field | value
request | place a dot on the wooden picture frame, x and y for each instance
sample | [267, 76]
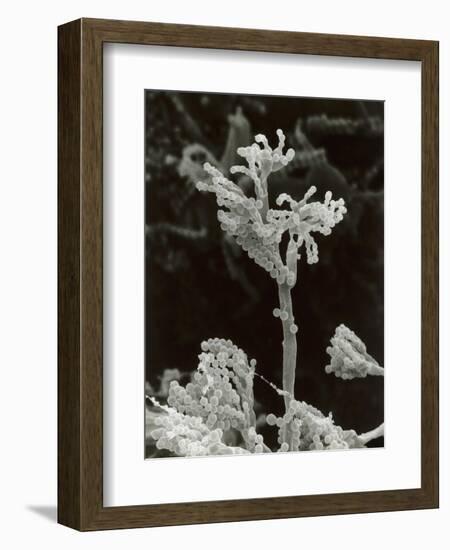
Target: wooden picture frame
[80, 272]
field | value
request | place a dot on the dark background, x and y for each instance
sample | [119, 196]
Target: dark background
[191, 292]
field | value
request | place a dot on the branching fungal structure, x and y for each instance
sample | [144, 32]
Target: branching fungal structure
[218, 401]
[349, 357]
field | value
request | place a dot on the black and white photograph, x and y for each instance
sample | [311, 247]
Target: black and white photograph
[264, 268]
[221, 226]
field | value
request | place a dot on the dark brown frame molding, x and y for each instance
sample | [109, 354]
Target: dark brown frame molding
[80, 265]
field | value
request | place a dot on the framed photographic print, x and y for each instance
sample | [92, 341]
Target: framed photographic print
[248, 274]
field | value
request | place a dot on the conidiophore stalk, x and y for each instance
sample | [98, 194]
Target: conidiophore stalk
[289, 343]
[289, 340]
[287, 319]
